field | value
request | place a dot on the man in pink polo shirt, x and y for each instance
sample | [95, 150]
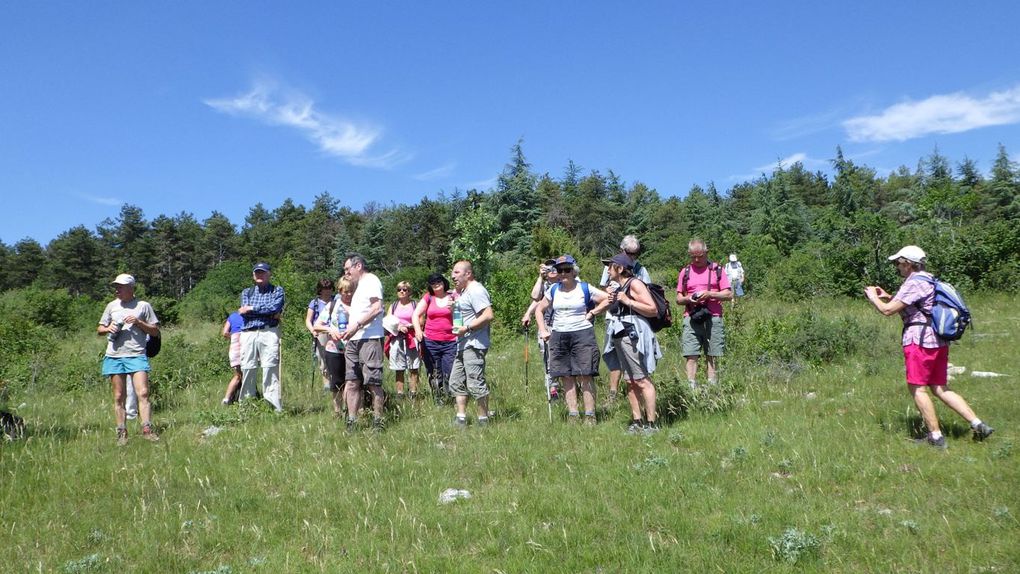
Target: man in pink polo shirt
[701, 288]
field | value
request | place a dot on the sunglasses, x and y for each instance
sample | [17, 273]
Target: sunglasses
[405, 289]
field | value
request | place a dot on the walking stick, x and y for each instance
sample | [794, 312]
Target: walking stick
[526, 337]
[548, 388]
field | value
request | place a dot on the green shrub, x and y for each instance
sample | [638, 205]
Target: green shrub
[218, 294]
[802, 335]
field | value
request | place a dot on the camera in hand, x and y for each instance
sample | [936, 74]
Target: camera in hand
[700, 314]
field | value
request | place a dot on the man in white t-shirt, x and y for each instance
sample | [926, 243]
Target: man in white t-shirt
[468, 375]
[364, 349]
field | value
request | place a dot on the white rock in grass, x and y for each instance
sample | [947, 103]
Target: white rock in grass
[451, 494]
[952, 369]
[211, 431]
[986, 374]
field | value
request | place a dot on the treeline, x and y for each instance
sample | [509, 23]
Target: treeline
[799, 233]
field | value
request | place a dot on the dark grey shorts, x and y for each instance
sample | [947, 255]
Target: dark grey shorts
[573, 354]
[364, 361]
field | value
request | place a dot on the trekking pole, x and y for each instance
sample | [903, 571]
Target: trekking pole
[526, 337]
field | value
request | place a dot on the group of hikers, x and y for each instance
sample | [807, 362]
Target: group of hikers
[448, 330]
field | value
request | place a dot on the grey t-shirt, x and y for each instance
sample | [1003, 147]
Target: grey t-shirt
[472, 302]
[130, 340]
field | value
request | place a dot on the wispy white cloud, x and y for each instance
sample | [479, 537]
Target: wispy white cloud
[336, 136]
[437, 173]
[938, 114]
[809, 163]
[114, 201]
[483, 184]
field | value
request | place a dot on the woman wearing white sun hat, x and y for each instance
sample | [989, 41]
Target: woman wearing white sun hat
[925, 354]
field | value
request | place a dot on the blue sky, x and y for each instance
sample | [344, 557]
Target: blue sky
[201, 106]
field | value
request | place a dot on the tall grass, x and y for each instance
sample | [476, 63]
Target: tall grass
[803, 464]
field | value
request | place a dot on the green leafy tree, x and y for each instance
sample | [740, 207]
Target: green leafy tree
[26, 264]
[475, 239]
[514, 203]
[74, 257]
[219, 241]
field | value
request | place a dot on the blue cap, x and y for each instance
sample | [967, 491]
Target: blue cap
[566, 259]
[262, 266]
[621, 259]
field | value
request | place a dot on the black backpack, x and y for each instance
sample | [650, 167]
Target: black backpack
[663, 318]
[153, 345]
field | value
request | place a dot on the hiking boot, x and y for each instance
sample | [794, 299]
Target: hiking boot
[635, 427]
[400, 396]
[612, 397]
[589, 420]
[693, 385]
[939, 443]
[982, 431]
[414, 396]
[573, 418]
[483, 421]
[650, 428]
[149, 433]
[460, 423]
[121, 436]
[378, 425]
[351, 425]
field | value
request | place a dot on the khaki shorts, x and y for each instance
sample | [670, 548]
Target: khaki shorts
[707, 337]
[629, 358]
[364, 361]
[468, 376]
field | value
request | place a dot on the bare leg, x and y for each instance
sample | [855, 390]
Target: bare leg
[338, 402]
[378, 400]
[648, 394]
[483, 406]
[955, 402]
[141, 383]
[118, 382]
[692, 368]
[588, 393]
[414, 381]
[926, 406]
[712, 373]
[461, 406]
[570, 391]
[233, 386]
[353, 391]
[614, 381]
[400, 383]
[633, 397]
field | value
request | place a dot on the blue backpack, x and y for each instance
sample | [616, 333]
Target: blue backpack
[949, 316]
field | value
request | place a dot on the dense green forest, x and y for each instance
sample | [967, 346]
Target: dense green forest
[798, 233]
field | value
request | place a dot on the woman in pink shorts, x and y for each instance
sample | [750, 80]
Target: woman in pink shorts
[926, 354]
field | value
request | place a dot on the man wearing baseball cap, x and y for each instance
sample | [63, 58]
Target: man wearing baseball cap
[127, 322]
[261, 307]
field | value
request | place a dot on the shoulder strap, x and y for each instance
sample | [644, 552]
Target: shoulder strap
[552, 291]
[332, 305]
[686, 277]
[587, 296]
[393, 307]
[718, 275]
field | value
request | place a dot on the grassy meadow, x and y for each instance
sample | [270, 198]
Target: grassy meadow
[797, 466]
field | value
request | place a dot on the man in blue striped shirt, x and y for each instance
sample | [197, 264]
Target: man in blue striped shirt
[261, 307]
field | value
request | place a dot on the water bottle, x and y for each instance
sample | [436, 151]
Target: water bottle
[341, 324]
[458, 318]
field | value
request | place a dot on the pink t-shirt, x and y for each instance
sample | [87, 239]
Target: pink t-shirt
[704, 280]
[916, 294]
[439, 318]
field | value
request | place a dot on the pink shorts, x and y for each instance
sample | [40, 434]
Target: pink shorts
[926, 367]
[234, 354]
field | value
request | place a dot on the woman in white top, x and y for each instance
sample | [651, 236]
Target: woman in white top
[573, 350]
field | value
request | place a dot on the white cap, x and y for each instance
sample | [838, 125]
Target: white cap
[123, 279]
[733, 257]
[910, 253]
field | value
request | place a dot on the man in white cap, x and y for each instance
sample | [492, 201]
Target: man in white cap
[126, 322]
[735, 271]
[925, 354]
[261, 308]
